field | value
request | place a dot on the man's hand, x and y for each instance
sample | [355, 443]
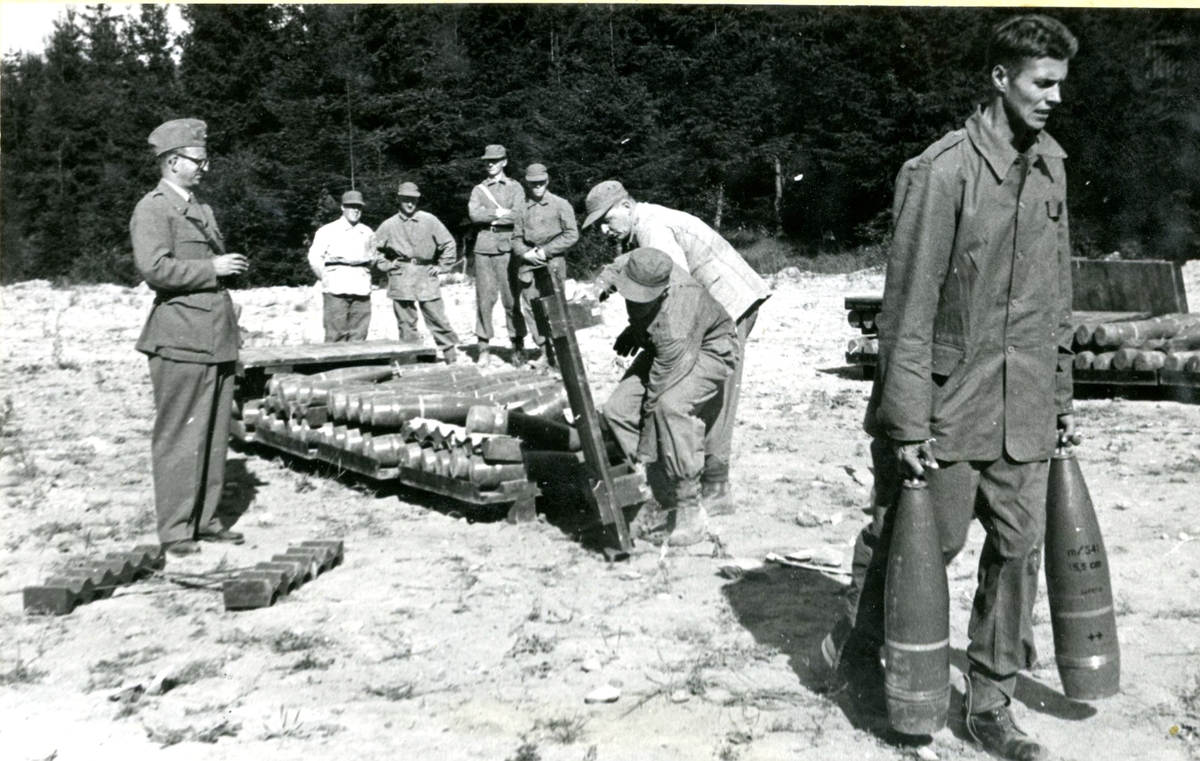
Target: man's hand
[502, 213]
[916, 457]
[628, 342]
[1067, 435]
[535, 256]
[230, 264]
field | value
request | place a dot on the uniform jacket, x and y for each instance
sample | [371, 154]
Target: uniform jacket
[974, 333]
[549, 223]
[413, 251]
[174, 242]
[495, 233]
[676, 333]
[701, 251]
[343, 253]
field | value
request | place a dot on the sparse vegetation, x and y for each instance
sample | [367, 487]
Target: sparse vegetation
[564, 730]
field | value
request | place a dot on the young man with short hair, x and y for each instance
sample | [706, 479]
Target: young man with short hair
[973, 391]
[494, 207]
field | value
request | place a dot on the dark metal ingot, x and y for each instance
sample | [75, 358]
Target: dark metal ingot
[292, 570]
[308, 567]
[249, 593]
[336, 549]
[49, 600]
[917, 618]
[279, 580]
[1079, 588]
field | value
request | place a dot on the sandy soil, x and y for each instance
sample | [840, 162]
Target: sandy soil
[441, 638]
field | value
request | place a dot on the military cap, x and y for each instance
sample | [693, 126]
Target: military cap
[352, 198]
[178, 133]
[536, 173]
[602, 198]
[494, 153]
[645, 276]
[409, 190]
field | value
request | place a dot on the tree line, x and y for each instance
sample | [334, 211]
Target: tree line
[765, 121]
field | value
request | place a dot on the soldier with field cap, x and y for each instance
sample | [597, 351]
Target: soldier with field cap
[340, 257]
[190, 337]
[686, 348]
[494, 207]
[544, 231]
[414, 247]
[700, 250]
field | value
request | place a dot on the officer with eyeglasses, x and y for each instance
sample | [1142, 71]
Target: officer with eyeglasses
[190, 338]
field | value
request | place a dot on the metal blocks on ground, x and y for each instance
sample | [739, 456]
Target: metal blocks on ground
[93, 581]
[261, 586]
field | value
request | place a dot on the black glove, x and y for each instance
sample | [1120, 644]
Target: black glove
[628, 342]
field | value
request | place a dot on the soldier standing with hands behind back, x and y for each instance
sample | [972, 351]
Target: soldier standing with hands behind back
[974, 388]
[190, 337]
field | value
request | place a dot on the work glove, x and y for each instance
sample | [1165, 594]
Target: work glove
[629, 342]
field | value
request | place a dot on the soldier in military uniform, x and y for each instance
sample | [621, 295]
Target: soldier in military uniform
[414, 247]
[973, 391]
[701, 251]
[494, 207]
[673, 389]
[543, 233]
[190, 337]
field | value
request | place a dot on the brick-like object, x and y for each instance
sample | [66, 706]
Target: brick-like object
[279, 580]
[336, 546]
[247, 594]
[294, 570]
[122, 568]
[309, 568]
[79, 584]
[54, 601]
[320, 557]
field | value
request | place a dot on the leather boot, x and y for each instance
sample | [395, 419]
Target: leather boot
[717, 498]
[715, 492]
[999, 735]
[690, 524]
[485, 354]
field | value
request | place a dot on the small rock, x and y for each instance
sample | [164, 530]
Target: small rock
[927, 753]
[1184, 536]
[591, 664]
[630, 576]
[605, 694]
[807, 519]
[836, 518]
[266, 519]
[718, 695]
[680, 696]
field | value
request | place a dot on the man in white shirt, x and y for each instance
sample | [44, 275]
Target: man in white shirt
[340, 257]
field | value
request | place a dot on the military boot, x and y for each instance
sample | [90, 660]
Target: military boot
[689, 525]
[715, 493]
[999, 735]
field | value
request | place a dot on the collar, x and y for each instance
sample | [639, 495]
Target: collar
[502, 179]
[999, 152]
[185, 195]
[545, 199]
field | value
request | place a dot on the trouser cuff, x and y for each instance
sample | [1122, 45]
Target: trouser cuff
[716, 470]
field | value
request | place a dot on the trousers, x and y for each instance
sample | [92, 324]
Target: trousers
[434, 310]
[676, 425]
[494, 278]
[193, 404]
[529, 292]
[1009, 498]
[347, 317]
[718, 441]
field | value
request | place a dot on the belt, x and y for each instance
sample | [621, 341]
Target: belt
[500, 228]
[344, 264]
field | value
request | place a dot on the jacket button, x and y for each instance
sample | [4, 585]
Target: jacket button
[1012, 349]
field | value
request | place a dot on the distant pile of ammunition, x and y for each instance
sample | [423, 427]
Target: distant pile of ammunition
[1170, 342]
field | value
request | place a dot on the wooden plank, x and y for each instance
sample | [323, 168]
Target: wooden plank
[286, 443]
[1117, 377]
[864, 302]
[1142, 285]
[554, 321]
[1178, 378]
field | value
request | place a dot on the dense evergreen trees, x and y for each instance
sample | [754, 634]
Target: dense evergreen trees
[711, 109]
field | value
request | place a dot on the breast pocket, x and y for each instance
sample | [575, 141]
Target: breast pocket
[190, 243]
[1054, 208]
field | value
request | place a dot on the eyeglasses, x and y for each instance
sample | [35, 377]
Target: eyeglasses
[202, 163]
